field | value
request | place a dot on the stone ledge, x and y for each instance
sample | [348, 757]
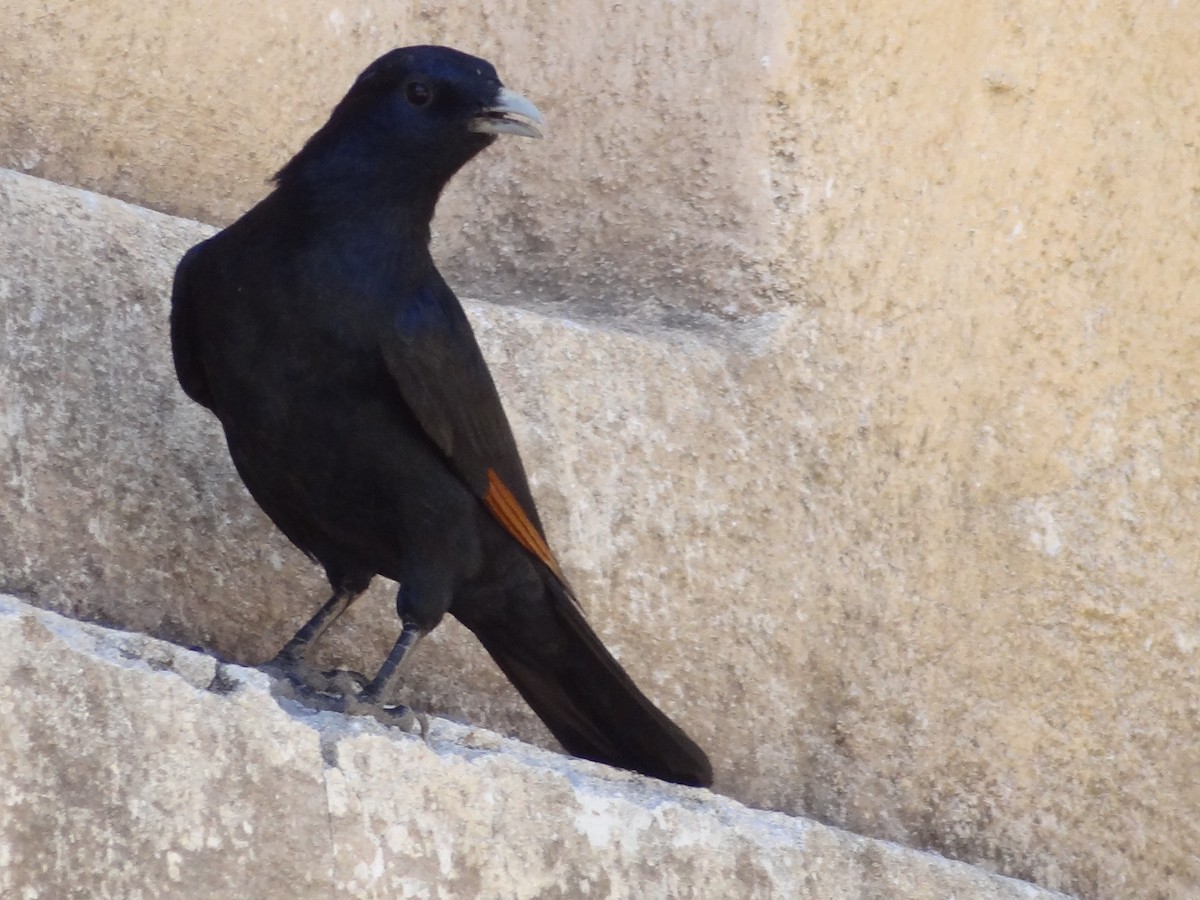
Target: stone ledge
[135, 767]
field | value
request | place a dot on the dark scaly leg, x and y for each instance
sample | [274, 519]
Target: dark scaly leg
[297, 649]
[342, 690]
[292, 661]
[384, 682]
[373, 697]
[368, 698]
[421, 604]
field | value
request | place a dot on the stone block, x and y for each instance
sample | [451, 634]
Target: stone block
[135, 768]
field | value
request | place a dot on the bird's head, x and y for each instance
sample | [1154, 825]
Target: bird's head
[415, 114]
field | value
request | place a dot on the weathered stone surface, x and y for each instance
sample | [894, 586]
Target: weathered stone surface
[897, 163]
[135, 768]
[128, 768]
[916, 554]
[946, 607]
[657, 151]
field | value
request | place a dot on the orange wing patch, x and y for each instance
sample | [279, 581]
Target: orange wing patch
[504, 506]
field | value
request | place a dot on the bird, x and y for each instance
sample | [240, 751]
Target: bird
[361, 416]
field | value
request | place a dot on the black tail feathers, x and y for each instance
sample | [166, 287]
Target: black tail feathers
[552, 656]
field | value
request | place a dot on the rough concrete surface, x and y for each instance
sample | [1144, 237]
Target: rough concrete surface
[134, 768]
[909, 543]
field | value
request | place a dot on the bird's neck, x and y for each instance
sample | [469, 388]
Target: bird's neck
[380, 206]
[389, 196]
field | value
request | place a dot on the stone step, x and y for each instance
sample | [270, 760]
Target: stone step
[134, 767]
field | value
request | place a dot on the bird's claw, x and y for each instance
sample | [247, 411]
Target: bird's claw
[334, 682]
[396, 716]
[341, 681]
[342, 691]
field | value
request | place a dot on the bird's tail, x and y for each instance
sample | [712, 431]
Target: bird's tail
[552, 656]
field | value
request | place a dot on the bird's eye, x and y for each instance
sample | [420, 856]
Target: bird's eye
[418, 93]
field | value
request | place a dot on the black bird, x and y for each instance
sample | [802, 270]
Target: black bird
[362, 417]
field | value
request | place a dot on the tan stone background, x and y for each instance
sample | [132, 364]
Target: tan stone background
[888, 485]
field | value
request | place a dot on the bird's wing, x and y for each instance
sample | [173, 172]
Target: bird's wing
[437, 366]
[183, 344]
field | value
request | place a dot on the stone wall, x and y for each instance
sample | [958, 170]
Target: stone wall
[869, 438]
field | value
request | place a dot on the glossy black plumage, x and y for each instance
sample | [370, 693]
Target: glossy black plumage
[361, 415]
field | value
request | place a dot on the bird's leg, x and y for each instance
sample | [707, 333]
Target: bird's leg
[297, 648]
[383, 682]
[342, 690]
[292, 661]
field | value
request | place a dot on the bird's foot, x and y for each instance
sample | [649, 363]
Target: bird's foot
[342, 691]
[345, 682]
[393, 715]
[335, 682]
